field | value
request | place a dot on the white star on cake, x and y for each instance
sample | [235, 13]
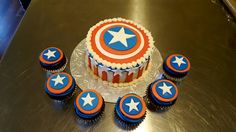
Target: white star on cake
[120, 36]
[58, 80]
[132, 105]
[179, 61]
[50, 54]
[88, 100]
[165, 89]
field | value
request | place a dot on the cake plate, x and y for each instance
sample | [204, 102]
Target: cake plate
[85, 79]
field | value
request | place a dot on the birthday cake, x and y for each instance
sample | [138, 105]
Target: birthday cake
[118, 50]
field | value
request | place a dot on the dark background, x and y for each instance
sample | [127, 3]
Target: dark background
[199, 29]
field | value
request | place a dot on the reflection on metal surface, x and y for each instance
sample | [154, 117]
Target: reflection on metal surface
[85, 79]
[197, 28]
[138, 11]
[231, 5]
[230, 13]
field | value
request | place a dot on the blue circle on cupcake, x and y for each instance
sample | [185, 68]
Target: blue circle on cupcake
[179, 62]
[59, 81]
[51, 54]
[165, 89]
[88, 101]
[132, 105]
[120, 38]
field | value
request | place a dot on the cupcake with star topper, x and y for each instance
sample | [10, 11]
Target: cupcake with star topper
[53, 60]
[161, 94]
[130, 111]
[176, 67]
[60, 86]
[89, 106]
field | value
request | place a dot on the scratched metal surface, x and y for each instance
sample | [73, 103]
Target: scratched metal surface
[198, 29]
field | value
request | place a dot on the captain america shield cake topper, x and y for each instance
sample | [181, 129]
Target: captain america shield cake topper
[161, 94]
[89, 105]
[176, 67]
[53, 59]
[119, 42]
[164, 90]
[60, 86]
[51, 55]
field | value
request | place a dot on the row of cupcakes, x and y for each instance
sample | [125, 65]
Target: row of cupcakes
[130, 110]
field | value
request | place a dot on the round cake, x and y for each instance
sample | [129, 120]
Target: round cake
[176, 67]
[53, 59]
[89, 105]
[118, 50]
[60, 86]
[161, 94]
[130, 110]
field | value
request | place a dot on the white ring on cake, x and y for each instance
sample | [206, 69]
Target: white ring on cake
[114, 56]
[119, 65]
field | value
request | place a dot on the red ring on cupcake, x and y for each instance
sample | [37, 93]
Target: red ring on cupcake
[161, 98]
[140, 114]
[55, 91]
[96, 109]
[172, 68]
[51, 62]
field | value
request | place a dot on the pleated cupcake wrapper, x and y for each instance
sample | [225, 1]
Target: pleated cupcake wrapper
[173, 78]
[126, 125]
[89, 122]
[58, 70]
[74, 92]
[153, 106]
[67, 98]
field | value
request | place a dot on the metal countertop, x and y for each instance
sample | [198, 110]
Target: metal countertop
[198, 29]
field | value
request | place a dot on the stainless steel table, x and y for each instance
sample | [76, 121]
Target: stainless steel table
[197, 29]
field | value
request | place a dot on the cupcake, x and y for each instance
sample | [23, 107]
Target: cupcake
[89, 106]
[53, 60]
[60, 86]
[161, 94]
[176, 67]
[130, 111]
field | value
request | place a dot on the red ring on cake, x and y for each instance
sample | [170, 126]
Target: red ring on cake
[120, 61]
[55, 91]
[124, 52]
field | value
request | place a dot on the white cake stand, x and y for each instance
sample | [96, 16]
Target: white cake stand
[110, 93]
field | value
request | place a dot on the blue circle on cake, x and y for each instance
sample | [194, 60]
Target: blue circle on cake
[51, 54]
[59, 81]
[120, 38]
[132, 105]
[165, 89]
[88, 100]
[179, 62]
